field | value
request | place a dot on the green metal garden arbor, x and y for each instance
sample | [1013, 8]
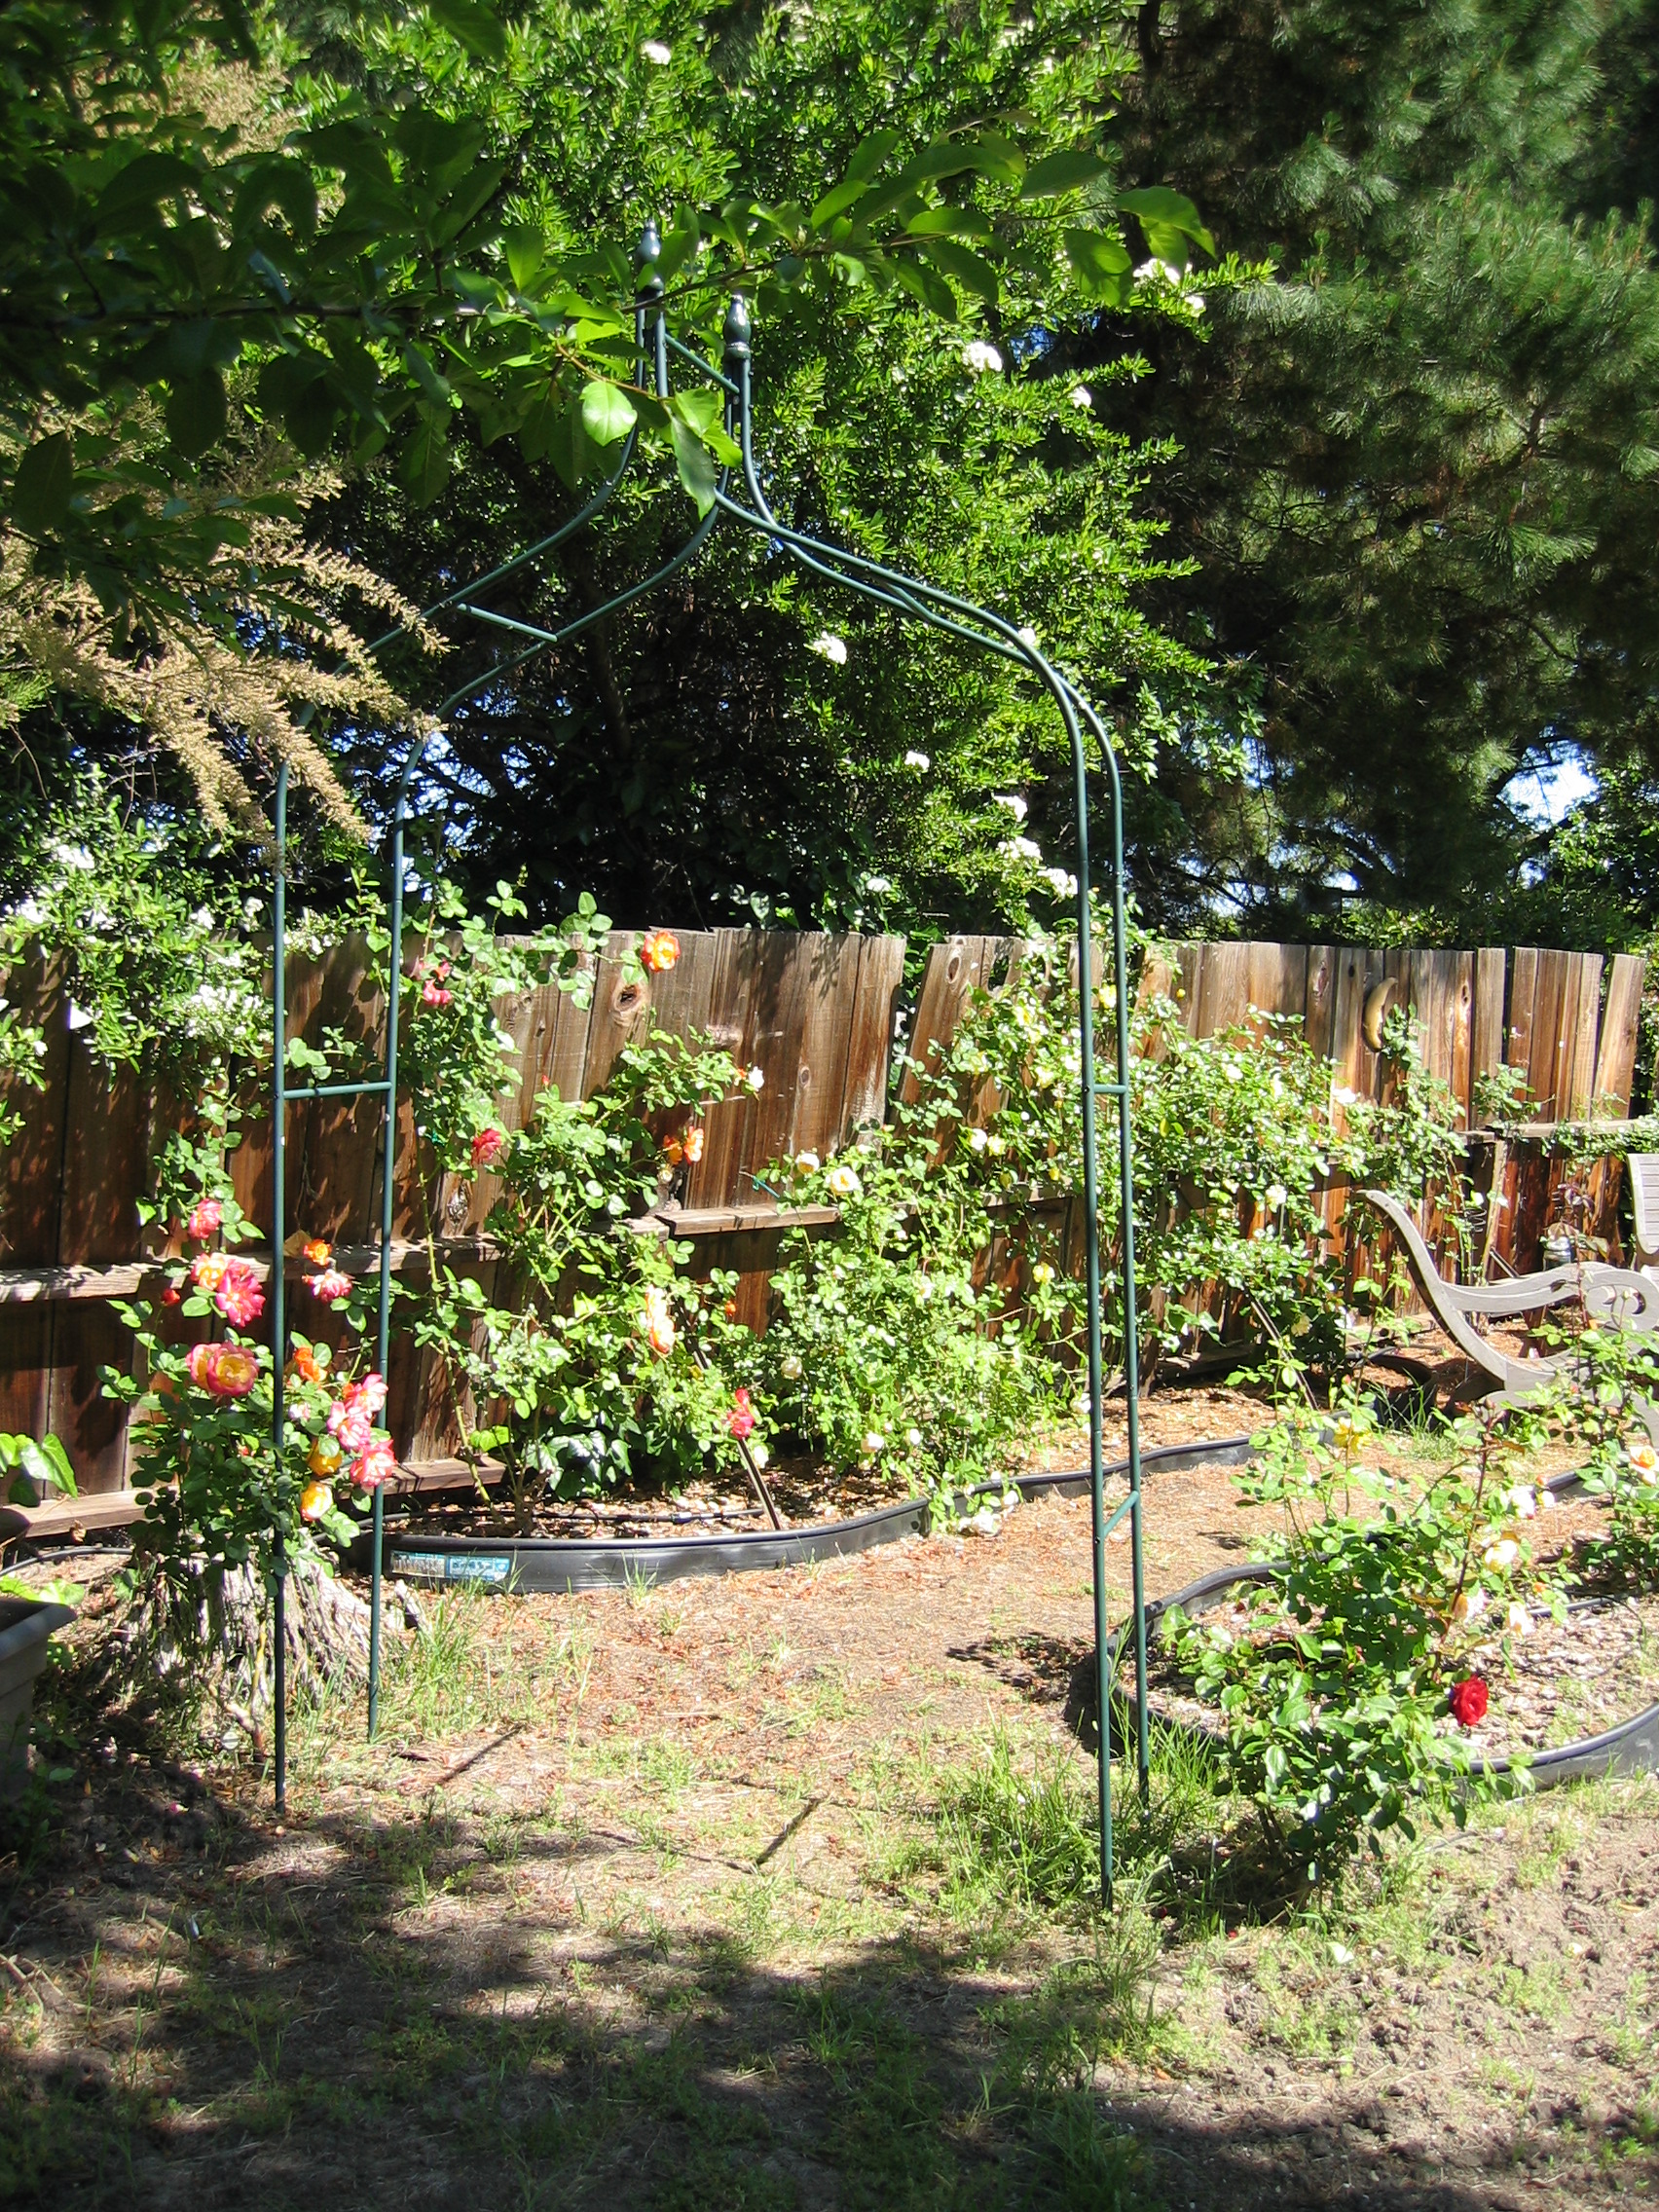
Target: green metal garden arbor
[747, 507]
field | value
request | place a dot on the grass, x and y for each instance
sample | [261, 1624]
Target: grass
[626, 1971]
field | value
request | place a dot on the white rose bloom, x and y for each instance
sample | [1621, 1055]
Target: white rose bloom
[982, 358]
[843, 1181]
[755, 1079]
[653, 50]
[1015, 805]
[831, 648]
[924, 1289]
[1081, 396]
[915, 759]
[976, 1140]
[806, 1163]
[1060, 883]
[1277, 1195]
[789, 1369]
[758, 1452]
[873, 1442]
[1021, 849]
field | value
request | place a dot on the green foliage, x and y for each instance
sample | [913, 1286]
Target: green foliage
[1416, 468]
[216, 1489]
[1606, 1407]
[1332, 1691]
[156, 943]
[28, 1466]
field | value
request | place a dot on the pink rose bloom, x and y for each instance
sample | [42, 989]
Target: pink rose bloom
[434, 994]
[352, 1424]
[488, 1147]
[331, 1284]
[741, 1418]
[207, 1219]
[377, 1465]
[369, 1393]
[239, 1296]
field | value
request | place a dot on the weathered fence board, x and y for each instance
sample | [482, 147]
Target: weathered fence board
[815, 1015]
[814, 1012]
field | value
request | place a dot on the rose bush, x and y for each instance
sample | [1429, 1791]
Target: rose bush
[1333, 1691]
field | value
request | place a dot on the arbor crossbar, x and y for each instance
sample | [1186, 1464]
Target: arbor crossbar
[914, 600]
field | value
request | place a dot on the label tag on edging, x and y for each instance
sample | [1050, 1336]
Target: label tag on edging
[425, 1566]
[471, 1566]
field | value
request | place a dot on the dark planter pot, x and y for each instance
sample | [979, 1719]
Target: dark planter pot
[25, 1625]
[562, 1564]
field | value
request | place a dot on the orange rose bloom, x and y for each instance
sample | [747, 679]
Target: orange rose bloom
[310, 1362]
[660, 951]
[318, 1253]
[314, 1502]
[659, 1322]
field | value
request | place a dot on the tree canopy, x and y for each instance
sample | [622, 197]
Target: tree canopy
[1418, 472]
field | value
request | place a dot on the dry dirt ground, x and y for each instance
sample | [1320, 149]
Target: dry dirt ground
[772, 1892]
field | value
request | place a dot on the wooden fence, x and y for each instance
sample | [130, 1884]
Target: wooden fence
[815, 1013]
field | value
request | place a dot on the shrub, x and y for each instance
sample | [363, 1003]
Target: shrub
[1333, 1695]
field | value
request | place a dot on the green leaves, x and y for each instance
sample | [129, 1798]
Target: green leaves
[608, 413]
[44, 483]
[1057, 174]
[473, 23]
[424, 465]
[695, 463]
[1169, 220]
[1101, 262]
[196, 413]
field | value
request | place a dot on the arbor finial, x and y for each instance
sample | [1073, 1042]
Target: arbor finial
[738, 330]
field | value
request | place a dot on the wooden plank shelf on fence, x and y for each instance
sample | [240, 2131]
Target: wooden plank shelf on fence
[47, 1286]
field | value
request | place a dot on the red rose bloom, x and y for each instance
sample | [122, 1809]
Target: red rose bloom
[488, 1147]
[741, 1418]
[1469, 1702]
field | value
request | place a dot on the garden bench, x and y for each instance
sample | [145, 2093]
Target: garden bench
[1619, 1295]
[1644, 1208]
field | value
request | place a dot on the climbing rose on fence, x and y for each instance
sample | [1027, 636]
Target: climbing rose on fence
[741, 1418]
[660, 951]
[377, 1465]
[226, 1371]
[487, 1146]
[309, 1362]
[237, 1294]
[207, 1219]
[350, 1421]
[1469, 1702]
[330, 1285]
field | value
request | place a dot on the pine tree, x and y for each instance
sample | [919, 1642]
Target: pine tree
[1420, 472]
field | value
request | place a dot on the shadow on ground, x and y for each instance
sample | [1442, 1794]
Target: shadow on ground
[203, 2010]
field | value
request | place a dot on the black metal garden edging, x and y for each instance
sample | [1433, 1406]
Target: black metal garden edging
[565, 1566]
[916, 600]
